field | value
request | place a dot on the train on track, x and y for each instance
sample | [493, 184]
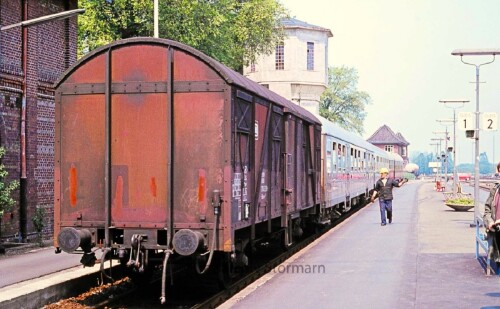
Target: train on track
[164, 155]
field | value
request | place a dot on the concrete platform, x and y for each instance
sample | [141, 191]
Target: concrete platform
[424, 259]
[40, 277]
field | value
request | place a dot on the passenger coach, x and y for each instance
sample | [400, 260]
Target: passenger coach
[350, 168]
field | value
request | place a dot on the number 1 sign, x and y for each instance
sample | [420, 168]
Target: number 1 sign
[465, 121]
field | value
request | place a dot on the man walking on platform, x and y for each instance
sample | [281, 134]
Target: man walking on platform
[384, 189]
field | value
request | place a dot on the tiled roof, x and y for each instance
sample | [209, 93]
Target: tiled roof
[401, 137]
[295, 23]
[384, 135]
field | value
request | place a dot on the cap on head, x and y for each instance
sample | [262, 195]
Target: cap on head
[384, 170]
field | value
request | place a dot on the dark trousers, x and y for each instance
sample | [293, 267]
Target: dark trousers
[385, 205]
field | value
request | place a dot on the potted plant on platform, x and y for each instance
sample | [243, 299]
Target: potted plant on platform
[458, 200]
[460, 203]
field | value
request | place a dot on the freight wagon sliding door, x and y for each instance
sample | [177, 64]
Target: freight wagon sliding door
[81, 160]
[139, 137]
[198, 150]
[198, 143]
[79, 148]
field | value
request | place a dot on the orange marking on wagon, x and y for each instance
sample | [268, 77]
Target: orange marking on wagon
[73, 183]
[152, 186]
[201, 185]
[119, 194]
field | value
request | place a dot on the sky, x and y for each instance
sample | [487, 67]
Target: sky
[401, 50]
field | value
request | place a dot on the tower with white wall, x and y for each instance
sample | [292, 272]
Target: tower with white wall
[298, 68]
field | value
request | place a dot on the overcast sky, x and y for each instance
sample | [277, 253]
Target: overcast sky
[402, 51]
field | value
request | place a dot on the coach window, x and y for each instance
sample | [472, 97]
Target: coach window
[328, 157]
[351, 159]
[358, 159]
[339, 156]
[334, 155]
[342, 158]
[363, 161]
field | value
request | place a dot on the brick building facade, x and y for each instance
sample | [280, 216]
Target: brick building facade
[31, 60]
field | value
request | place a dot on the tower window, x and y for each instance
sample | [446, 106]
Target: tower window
[310, 56]
[280, 57]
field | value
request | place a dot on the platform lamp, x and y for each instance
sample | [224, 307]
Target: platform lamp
[445, 150]
[437, 151]
[476, 52]
[23, 179]
[451, 104]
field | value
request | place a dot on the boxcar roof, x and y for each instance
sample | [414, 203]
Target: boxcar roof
[229, 76]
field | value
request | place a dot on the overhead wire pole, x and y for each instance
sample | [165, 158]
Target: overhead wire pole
[445, 150]
[437, 145]
[446, 102]
[438, 156]
[476, 52]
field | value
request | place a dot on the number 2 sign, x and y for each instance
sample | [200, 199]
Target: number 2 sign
[489, 121]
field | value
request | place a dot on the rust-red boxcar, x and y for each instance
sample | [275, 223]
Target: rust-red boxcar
[161, 149]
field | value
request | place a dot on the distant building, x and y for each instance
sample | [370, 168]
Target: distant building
[298, 69]
[384, 138]
[31, 60]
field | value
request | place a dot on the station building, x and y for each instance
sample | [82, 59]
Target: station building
[31, 60]
[385, 139]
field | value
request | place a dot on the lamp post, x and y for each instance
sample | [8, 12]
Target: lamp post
[452, 102]
[445, 150]
[437, 145]
[155, 19]
[476, 52]
[24, 54]
[438, 141]
[438, 152]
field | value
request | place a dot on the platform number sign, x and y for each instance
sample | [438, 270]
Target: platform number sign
[489, 121]
[466, 121]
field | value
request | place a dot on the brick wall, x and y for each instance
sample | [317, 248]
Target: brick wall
[51, 49]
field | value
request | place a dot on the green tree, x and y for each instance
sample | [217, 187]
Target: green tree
[6, 188]
[233, 32]
[105, 21]
[342, 102]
